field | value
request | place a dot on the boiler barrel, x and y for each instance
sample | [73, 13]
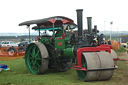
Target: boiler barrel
[68, 52]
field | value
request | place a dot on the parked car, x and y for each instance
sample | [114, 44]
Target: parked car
[22, 47]
[8, 44]
[23, 44]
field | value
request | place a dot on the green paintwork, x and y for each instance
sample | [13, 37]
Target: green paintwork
[60, 44]
[45, 40]
[33, 58]
[82, 74]
[59, 33]
[53, 32]
[68, 52]
[67, 37]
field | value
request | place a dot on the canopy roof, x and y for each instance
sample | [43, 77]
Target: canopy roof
[56, 27]
[57, 20]
[36, 28]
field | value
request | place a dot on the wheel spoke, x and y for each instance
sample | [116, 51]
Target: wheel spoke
[37, 53]
[31, 54]
[31, 62]
[34, 56]
[34, 50]
[30, 58]
[34, 63]
[38, 66]
[38, 58]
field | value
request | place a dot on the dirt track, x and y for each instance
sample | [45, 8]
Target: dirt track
[4, 58]
[123, 57]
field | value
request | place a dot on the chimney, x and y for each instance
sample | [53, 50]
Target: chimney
[89, 22]
[80, 25]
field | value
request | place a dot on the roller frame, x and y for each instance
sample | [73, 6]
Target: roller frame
[89, 49]
[105, 45]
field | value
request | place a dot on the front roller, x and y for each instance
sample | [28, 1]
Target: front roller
[99, 65]
[36, 58]
[114, 56]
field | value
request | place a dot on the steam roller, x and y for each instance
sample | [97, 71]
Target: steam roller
[92, 60]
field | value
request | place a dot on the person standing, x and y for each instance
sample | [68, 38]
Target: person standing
[109, 42]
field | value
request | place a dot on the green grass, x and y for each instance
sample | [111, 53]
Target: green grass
[18, 75]
[122, 49]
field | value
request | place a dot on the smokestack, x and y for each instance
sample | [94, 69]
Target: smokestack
[80, 24]
[95, 28]
[89, 22]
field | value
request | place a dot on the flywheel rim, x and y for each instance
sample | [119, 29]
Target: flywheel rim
[33, 62]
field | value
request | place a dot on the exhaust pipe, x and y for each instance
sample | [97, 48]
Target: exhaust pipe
[95, 28]
[89, 22]
[80, 25]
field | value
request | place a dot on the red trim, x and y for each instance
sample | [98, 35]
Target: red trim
[88, 49]
[105, 45]
[64, 21]
[79, 68]
[59, 44]
[52, 20]
[36, 38]
[116, 59]
[63, 37]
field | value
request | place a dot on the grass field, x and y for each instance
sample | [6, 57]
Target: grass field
[122, 49]
[18, 75]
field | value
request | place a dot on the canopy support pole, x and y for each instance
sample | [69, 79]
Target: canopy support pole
[53, 32]
[29, 32]
[63, 28]
[39, 31]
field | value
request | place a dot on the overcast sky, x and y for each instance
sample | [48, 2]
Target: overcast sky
[13, 12]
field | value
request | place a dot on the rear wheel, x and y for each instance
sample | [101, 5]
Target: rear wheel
[35, 59]
[21, 51]
[12, 52]
[96, 60]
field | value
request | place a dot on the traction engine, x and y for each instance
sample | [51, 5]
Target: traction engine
[92, 60]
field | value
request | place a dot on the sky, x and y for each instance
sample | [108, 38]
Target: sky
[13, 12]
